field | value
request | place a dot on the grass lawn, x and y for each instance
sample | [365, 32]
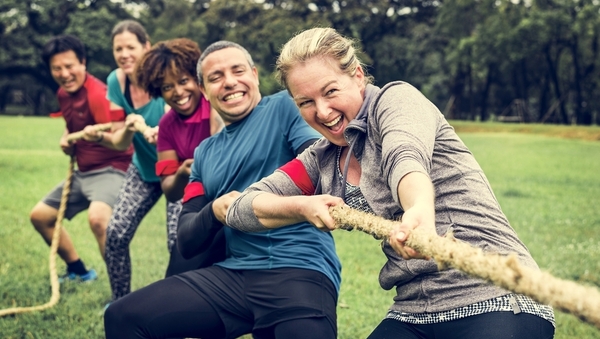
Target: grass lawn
[546, 180]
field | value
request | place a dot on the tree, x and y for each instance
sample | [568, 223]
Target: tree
[25, 26]
[476, 59]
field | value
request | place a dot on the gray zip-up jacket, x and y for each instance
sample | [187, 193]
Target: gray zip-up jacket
[398, 131]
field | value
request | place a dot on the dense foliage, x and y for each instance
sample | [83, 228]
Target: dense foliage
[511, 60]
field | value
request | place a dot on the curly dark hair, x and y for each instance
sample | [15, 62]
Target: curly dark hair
[174, 57]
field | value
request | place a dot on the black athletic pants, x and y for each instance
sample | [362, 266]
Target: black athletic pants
[219, 303]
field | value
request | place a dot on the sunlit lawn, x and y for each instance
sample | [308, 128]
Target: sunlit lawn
[548, 187]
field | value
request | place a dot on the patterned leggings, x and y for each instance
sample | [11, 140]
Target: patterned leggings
[136, 198]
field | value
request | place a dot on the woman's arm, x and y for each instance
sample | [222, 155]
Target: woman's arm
[122, 133]
[416, 195]
[151, 135]
[199, 222]
[407, 124]
[274, 211]
[173, 183]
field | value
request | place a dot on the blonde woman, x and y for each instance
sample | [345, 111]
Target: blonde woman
[389, 151]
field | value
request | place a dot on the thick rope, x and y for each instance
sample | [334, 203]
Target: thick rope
[140, 126]
[98, 127]
[504, 271]
[53, 248]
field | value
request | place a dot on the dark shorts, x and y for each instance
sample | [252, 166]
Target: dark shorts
[251, 300]
[97, 185]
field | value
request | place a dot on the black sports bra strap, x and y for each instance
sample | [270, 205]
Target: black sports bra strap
[127, 92]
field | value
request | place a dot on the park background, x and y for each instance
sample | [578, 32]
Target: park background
[508, 60]
[505, 73]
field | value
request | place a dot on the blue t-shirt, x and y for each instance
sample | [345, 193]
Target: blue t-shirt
[245, 152]
[144, 155]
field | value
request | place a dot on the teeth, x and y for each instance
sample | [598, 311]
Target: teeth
[183, 101]
[332, 123]
[233, 96]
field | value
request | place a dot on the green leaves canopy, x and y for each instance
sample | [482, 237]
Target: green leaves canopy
[534, 60]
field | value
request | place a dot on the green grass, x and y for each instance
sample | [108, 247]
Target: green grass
[562, 131]
[549, 188]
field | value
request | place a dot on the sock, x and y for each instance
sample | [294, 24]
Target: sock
[77, 267]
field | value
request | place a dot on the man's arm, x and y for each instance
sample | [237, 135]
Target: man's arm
[65, 145]
[200, 221]
[197, 226]
[104, 138]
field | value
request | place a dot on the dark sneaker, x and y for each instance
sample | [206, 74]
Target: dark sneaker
[70, 276]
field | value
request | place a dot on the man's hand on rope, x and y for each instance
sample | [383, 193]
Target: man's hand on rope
[416, 216]
[67, 147]
[92, 134]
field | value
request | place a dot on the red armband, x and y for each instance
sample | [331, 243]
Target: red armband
[166, 167]
[297, 172]
[192, 190]
[117, 115]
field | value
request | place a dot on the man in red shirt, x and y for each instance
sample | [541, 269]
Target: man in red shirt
[100, 170]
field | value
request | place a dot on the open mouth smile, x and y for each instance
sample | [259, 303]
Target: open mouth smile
[182, 101]
[233, 96]
[333, 122]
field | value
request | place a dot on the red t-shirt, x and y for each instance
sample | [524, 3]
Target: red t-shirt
[89, 106]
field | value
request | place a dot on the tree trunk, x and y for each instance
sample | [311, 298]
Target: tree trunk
[543, 100]
[485, 93]
[553, 71]
[578, 78]
[525, 90]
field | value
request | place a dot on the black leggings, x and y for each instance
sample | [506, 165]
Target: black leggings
[493, 325]
[170, 308]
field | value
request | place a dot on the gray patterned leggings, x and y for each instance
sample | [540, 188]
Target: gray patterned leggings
[136, 198]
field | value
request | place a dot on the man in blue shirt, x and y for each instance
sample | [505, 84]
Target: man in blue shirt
[281, 283]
